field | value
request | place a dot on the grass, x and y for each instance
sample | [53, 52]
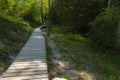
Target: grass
[3, 64]
[13, 34]
[75, 49]
[65, 76]
[50, 63]
[49, 60]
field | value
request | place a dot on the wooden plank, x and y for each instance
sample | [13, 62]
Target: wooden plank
[30, 64]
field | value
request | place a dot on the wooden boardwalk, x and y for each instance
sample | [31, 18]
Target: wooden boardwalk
[30, 63]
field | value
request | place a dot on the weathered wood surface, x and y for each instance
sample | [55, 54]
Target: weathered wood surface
[30, 63]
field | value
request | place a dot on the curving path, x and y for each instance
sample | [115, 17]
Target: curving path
[30, 63]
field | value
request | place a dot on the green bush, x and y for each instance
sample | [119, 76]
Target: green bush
[13, 34]
[75, 37]
[56, 30]
[104, 27]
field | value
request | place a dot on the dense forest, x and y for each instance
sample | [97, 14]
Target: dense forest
[97, 21]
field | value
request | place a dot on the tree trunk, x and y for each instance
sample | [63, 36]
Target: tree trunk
[118, 38]
[109, 3]
[49, 18]
[42, 11]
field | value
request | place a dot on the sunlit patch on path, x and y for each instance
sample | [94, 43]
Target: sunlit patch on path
[30, 64]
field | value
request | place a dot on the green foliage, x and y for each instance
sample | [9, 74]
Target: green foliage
[75, 15]
[75, 37]
[116, 3]
[49, 61]
[24, 9]
[104, 65]
[13, 34]
[104, 28]
[3, 5]
[65, 76]
[3, 64]
[33, 11]
[56, 30]
[14, 30]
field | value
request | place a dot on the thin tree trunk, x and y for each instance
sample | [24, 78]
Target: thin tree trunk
[109, 3]
[49, 18]
[42, 11]
[118, 38]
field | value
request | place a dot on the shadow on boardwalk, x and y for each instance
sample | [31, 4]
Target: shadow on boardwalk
[30, 64]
